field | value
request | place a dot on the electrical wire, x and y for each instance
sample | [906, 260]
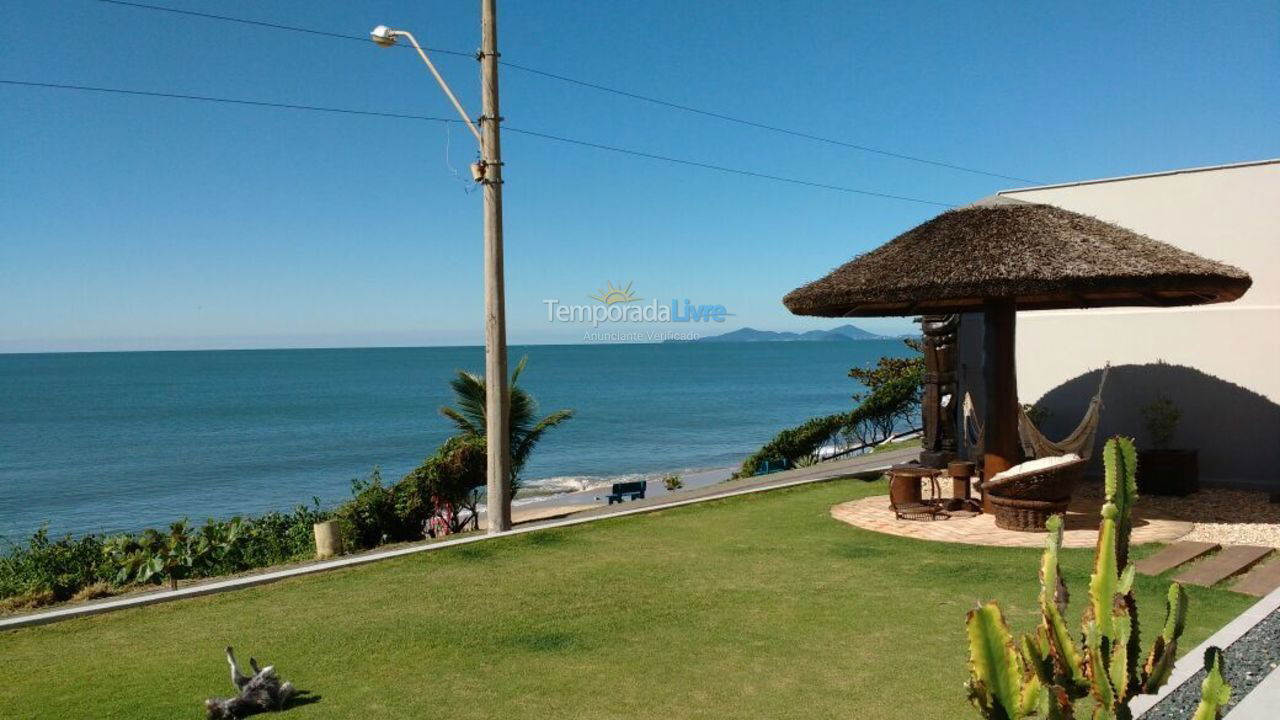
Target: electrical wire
[207, 98]
[762, 126]
[268, 25]
[721, 168]
[603, 88]
[520, 131]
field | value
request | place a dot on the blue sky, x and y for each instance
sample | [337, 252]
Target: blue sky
[132, 223]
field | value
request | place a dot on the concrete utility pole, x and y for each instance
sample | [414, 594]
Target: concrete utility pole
[497, 402]
[497, 399]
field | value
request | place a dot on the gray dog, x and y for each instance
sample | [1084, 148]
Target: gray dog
[262, 692]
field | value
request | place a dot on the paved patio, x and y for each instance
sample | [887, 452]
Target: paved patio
[1080, 528]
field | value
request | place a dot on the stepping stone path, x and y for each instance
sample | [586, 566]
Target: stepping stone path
[1233, 560]
[1178, 553]
[1260, 581]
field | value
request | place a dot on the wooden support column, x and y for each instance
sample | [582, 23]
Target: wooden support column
[999, 374]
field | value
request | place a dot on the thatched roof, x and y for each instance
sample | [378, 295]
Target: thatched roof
[1040, 255]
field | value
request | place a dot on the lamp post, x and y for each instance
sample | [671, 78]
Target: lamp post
[489, 173]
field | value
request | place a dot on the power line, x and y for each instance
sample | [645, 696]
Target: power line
[268, 25]
[602, 88]
[207, 98]
[520, 131]
[762, 126]
[721, 168]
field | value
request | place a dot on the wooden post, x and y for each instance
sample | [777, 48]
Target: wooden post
[497, 402]
[999, 374]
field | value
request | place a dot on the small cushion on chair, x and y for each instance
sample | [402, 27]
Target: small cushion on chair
[1036, 465]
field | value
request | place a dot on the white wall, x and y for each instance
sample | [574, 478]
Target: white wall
[1226, 358]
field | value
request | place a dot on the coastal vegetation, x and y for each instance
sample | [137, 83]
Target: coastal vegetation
[526, 431]
[439, 497]
[46, 570]
[711, 618]
[890, 399]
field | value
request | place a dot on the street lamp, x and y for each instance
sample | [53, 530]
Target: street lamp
[488, 172]
[384, 36]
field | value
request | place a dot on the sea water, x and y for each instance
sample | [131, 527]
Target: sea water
[93, 442]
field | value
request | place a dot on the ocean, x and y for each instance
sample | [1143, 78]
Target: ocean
[105, 442]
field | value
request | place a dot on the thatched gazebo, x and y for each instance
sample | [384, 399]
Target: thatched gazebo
[1002, 255]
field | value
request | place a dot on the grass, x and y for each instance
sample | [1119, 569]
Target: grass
[752, 607]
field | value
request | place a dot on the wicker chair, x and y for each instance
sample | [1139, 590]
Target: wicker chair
[1023, 501]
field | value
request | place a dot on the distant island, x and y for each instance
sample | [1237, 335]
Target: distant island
[844, 333]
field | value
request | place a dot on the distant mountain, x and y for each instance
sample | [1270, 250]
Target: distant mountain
[844, 333]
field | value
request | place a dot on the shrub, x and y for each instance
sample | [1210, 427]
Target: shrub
[1036, 413]
[56, 567]
[369, 518]
[180, 554]
[873, 420]
[276, 537]
[445, 488]
[437, 498]
[672, 482]
[1161, 418]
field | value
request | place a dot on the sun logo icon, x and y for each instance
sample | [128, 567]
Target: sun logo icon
[611, 295]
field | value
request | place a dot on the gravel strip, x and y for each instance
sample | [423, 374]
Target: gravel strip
[1228, 517]
[1248, 660]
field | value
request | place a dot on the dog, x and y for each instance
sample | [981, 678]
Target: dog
[257, 693]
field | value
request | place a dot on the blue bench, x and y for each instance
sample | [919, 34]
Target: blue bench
[628, 491]
[773, 466]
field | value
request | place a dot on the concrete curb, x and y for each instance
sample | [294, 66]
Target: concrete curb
[787, 479]
[1193, 662]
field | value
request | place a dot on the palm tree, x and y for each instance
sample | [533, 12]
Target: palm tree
[469, 416]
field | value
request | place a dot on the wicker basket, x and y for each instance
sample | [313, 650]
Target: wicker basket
[1026, 515]
[1053, 483]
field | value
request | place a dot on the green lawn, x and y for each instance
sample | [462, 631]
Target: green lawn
[758, 606]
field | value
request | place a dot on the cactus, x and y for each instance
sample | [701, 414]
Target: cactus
[1120, 478]
[1214, 691]
[999, 685]
[1046, 672]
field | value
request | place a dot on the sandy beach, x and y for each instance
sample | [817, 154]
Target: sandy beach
[540, 508]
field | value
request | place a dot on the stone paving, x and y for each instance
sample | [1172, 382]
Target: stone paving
[1080, 528]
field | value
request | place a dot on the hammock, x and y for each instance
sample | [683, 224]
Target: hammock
[1034, 443]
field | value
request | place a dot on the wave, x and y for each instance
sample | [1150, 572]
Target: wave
[542, 488]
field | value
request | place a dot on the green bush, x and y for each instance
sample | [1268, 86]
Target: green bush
[60, 567]
[369, 518]
[42, 570]
[1161, 418]
[874, 419]
[275, 538]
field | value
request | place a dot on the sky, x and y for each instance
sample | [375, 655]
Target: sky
[145, 223]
